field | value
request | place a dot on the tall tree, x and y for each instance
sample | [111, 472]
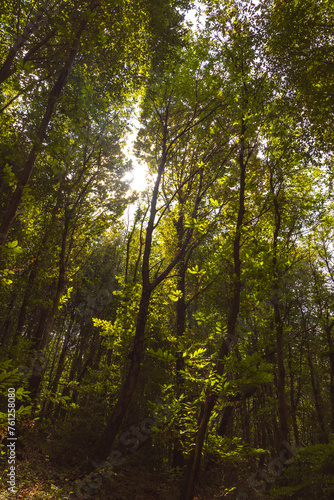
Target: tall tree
[115, 41]
[167, 121]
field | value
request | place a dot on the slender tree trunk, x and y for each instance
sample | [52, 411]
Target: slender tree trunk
[181, 308]
[75, 368]
[317, 399]
[128, 244]
[278, 323]
[45, 331]
[8, 322]
[60, 366]
[110, 432]
[245, 423]
[32, 26]
[293, 399]
[225, 420]
[34, 271]
[92, 357]
[54, 95]
[36, 333]
[23, 309]
[107, 439]
[140, 246]
[331, 367]
[282, 407]
[194, 460]
[331, 386]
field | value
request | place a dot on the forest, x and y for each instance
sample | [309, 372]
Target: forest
[174, 342]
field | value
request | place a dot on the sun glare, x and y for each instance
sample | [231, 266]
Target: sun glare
[137, 176]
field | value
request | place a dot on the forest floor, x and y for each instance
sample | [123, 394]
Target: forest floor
[40, 476]
[51, 466]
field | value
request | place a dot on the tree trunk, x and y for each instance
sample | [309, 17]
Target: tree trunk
[60, 366]
[293, 399]
[54, 95]
[178, 458]
[7, 69]
[7, 325]
[194, 460]
[278, 322]
[107, 439]
[110, 432]
[75, 368]
[45, 331]
[323, 438]
[331, 373]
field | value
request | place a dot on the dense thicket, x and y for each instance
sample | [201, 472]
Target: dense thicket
[203, 325]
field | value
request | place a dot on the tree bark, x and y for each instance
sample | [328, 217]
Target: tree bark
[278, 322]
[181, 308]
[294, 398]
[44, 332]
[323, 438]
[7, 69]
[194, 460]
[54, 95]
[60, 366]
[110, 432]
[330, 340]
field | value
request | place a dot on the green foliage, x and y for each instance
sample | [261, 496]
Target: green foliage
[299, 46]
[309, 476]
[10, 378]
[161, 355]
[175, 418]
[246, 91]
[251, 369]
[232, 449]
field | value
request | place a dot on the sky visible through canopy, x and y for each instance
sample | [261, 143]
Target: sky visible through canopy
[138, 176]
